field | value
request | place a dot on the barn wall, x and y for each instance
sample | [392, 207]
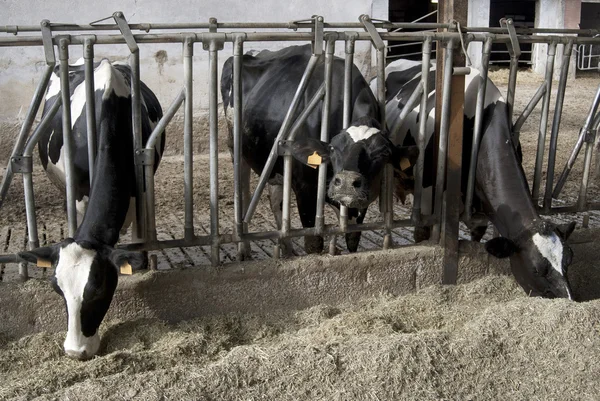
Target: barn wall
[161, 67]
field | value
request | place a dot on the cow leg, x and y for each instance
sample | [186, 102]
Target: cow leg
[355, 216]
[276, 202]
[306, 199]
[424, 232]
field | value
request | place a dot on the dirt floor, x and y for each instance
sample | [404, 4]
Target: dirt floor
[476, 341]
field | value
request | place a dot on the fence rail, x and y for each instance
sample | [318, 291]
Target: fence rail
[324, 36]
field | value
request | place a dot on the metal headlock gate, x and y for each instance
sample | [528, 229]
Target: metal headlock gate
[323, 37]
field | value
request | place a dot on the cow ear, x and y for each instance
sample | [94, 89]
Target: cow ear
[565, 230]
[501, 247]
[128, 261]
[405, 157]
[43, 257]
[309, 151]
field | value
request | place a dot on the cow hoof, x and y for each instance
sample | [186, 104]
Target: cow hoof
[352, 241]
[313, 244]
[422, 234]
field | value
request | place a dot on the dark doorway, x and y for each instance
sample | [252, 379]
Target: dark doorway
[408, 11]
[522, 13]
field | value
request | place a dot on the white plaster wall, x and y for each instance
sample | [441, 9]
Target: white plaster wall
[479, 15]
[21, 68]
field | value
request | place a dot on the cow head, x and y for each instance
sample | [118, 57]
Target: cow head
[357, 155]
[86, 277]
[539, 259]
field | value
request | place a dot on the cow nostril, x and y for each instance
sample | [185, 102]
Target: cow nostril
[337, 182]
[357, 183]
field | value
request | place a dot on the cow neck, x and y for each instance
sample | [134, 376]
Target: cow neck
[501, 180]
[114, 179]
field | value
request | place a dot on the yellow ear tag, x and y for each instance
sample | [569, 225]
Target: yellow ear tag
[314, 160]
[43, 263]
[126, 269]
[404, 164]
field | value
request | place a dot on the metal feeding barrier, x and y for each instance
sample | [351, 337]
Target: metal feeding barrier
[323, 37]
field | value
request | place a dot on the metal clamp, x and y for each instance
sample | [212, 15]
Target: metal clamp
[317, 30]
[589, 135]
[14, 29]
[125, 31]
[370, 28]
[284, 146]
[213, 41]
[212, 24]
[514, 49]
[351, 37]
[47, 41]
[144, 157]
[22, 164]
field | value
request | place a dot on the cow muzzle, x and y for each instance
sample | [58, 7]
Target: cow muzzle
[350, 189]
[82, 348]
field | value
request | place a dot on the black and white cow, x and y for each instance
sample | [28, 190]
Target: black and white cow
[357, 154]
[86, 266]
[538, 252]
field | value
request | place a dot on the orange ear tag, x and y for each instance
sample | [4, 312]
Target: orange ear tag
[126, 269]
[404, 164]
[314, 160]
[43, 263]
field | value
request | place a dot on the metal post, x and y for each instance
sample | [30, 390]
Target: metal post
[238, 201]
[213, 54]
[40, 90]
[188, 150]
[586, 135]
[443, 143]
[512, 84]
[560, 97]
[423, 116]
[287, 122]
[63, 51]
[477, 128]
[90, 103]
[322, 183]
[539, 159]
[136, 119]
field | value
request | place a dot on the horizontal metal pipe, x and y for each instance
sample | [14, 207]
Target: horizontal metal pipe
[301, 36]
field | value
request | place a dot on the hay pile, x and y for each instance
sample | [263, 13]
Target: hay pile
[482, 340]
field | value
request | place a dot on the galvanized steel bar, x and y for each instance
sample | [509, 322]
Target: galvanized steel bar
[63, 51]
[322, 183]
[423, 116]
[560, 97]
[287, 122]
[528, 109]
[90, 104]
[149, 165]
[585, 135]
[238, 197]
[478, 126]
[213, 62]
[188, 145]
[539, 159]
[136, 119]
[512, 85]
[34, 106]
[443, 144]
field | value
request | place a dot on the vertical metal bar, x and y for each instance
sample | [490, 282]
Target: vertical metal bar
[539, 158]
[188, 151]
[90, 103]
[584, 136]
[512, 84]
[287, 122]
[34, 106]
[63, 51]
[443, 144]
[478, 125]
[423, 116]
[321, 189]
[560, 97]
[238, 203]
[214, 153]
[386, 195]
[136, 120]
